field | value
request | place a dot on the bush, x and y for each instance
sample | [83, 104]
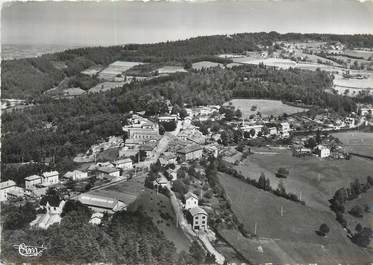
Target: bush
[356, 211]
[324, 229]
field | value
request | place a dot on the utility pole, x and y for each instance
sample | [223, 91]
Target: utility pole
[282, 211]
[300, 196]
[255, 228]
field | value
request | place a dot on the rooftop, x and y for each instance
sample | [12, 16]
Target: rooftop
[189, 149]
[50, 174]
[190, 195]
[197, 210]
[107, 170]
[33, 177]
[7, 184]
[97, 200]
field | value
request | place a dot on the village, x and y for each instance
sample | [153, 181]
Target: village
[110, 183]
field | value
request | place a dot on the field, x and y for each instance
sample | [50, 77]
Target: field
[281, 63]
[288, 238]
[316, 179]
[357, 142]
[264, 106]
[106, 86]
[206, 64]
[170, 69]
[358, 53]
[159, 208]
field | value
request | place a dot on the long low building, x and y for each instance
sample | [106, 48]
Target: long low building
[101, 203]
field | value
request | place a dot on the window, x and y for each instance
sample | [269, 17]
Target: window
[203, 217]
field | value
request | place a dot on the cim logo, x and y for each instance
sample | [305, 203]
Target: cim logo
[30, 251]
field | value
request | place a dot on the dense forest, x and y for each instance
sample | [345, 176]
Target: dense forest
[29, 78]
[124, 238]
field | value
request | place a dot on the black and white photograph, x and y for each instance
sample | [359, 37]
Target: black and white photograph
[186, 132]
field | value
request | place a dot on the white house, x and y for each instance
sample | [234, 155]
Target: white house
[323, 151]
[31, 181]
[191, 200]
[49, 178]
[123, 163]
[285, 127]
[76, 175]
[6, 187]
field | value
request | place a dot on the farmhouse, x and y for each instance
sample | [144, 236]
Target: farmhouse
[190, 153]
[191, 200]
[5, 188]
[76, 175]
[323, 151]
[198, 218]
[100, 203]
[123, 163]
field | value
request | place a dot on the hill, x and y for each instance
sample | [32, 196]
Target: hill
[287, 237]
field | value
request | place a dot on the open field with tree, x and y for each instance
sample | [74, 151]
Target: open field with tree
[317, 179]
[297, 224]
[264, 106]
[357, 142]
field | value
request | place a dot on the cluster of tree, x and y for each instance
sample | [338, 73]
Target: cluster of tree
[168, 126]
[17, 217]
[347, 194]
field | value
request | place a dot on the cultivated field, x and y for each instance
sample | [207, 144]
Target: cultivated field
[206, 64]
[357, 142]
[288, 238]
[316, 179]
[264, 106]
[159, 208]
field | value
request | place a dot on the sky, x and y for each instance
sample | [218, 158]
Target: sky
[120, 22]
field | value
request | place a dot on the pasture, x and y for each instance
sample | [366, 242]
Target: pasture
[106, 86]
[264, 106]
[357, 142]
[314, 179]
[276, 62]
[287, 237]
[360, 53]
